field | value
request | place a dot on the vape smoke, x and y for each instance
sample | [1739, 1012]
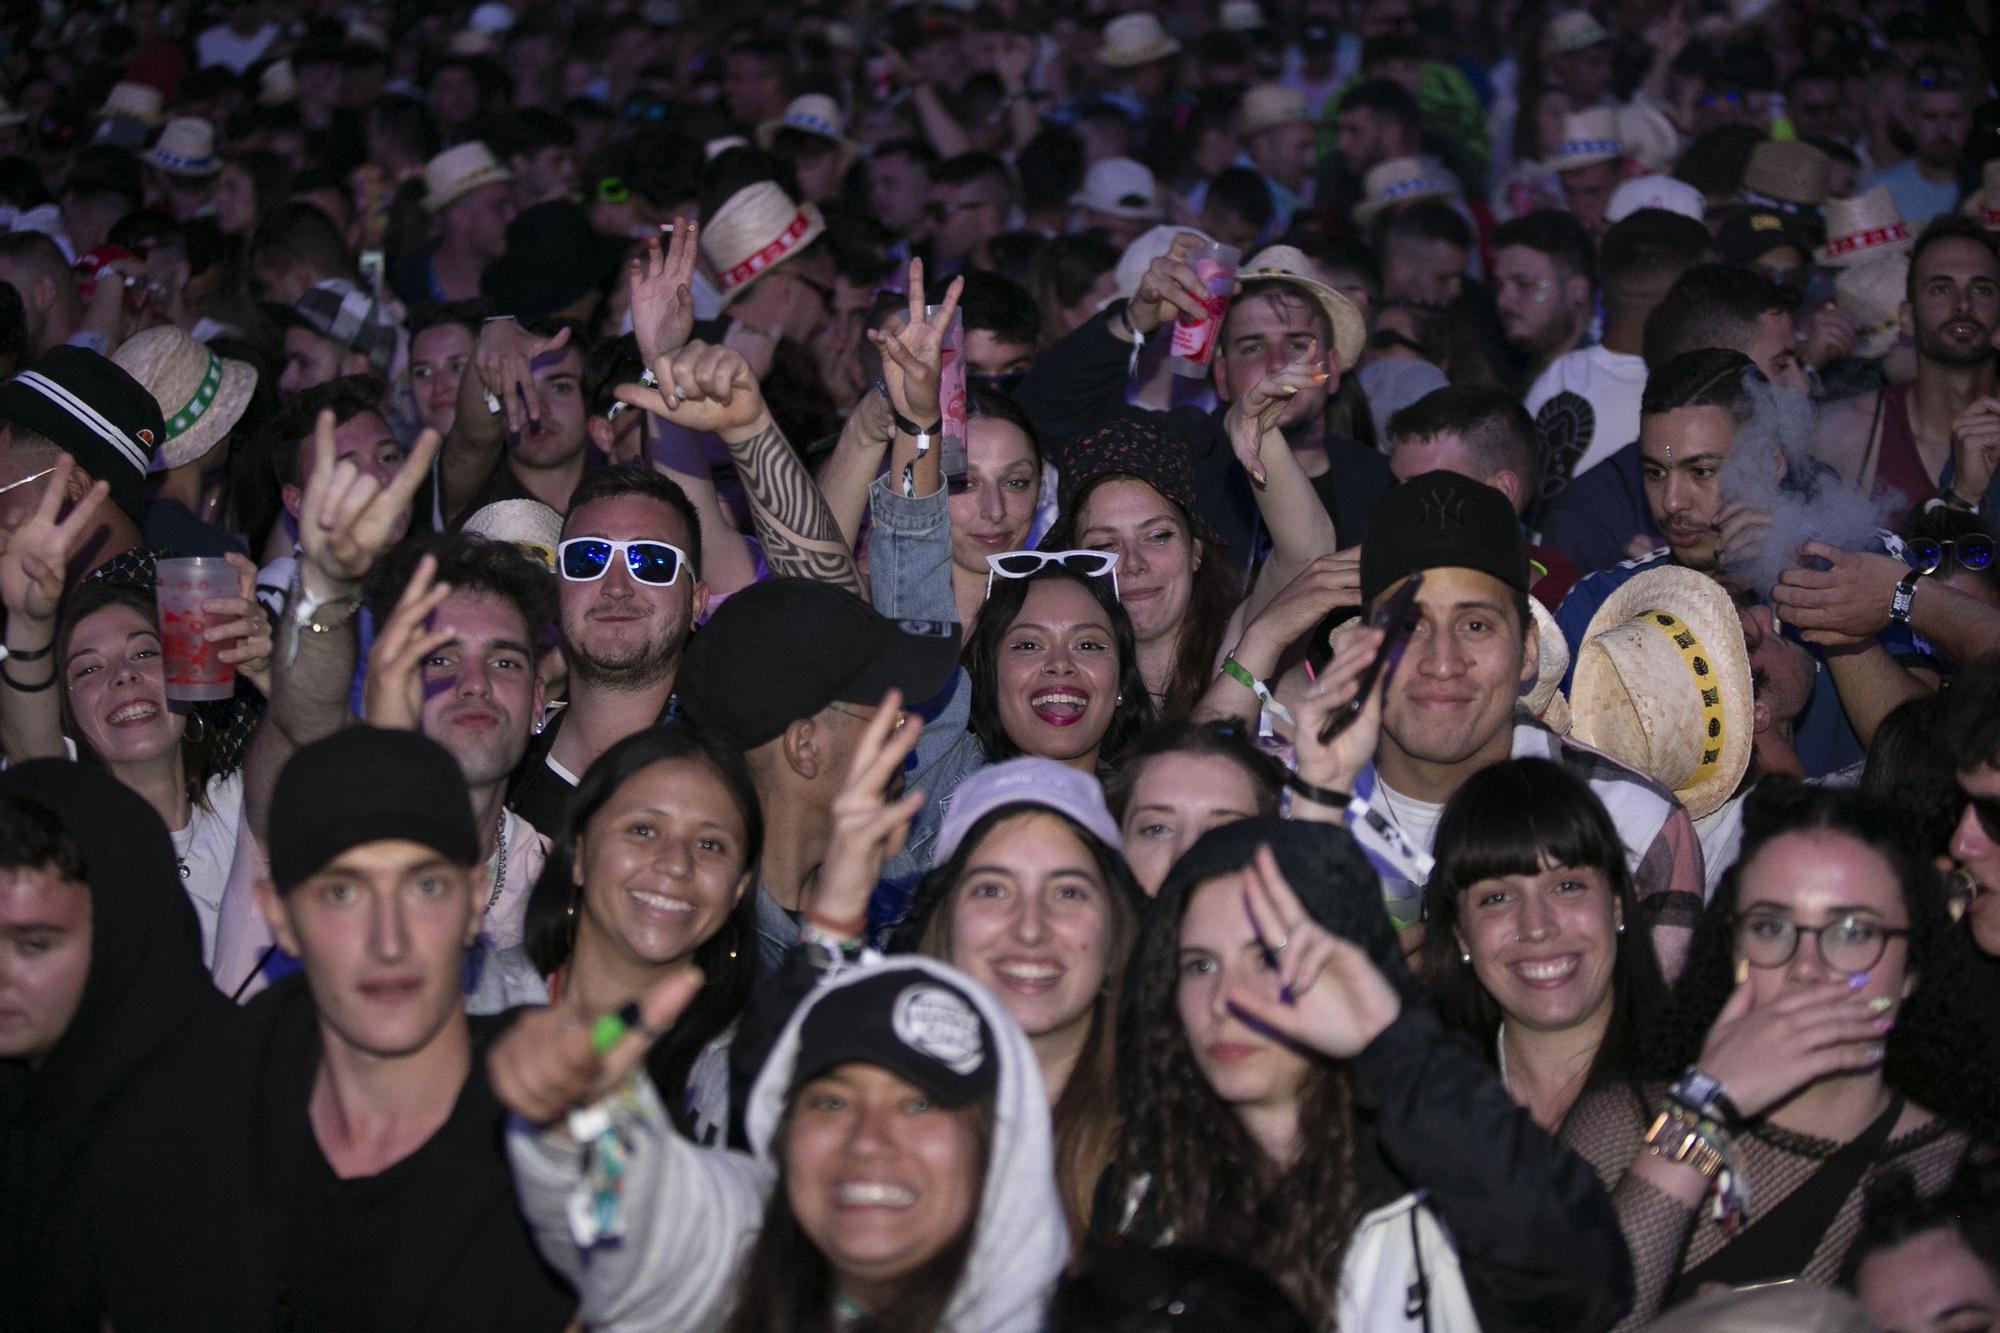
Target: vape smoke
[1806, 499]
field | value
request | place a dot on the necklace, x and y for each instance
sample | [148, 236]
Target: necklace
[500, 864]
[1500, 1046]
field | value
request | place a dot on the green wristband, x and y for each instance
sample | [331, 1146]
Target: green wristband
[609, 1029]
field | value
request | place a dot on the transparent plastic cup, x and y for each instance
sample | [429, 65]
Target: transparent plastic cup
[951, 394]
[1193, 343]
[195, 671]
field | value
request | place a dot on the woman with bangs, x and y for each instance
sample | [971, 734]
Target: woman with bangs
[1535, 948]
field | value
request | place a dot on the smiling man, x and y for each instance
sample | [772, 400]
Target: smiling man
[374, 1139]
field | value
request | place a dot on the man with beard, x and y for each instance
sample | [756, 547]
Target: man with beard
[1936, 436]
[1694, 408]
[519, 431]
[628, 590]
[1926, 186]
[1544, 276]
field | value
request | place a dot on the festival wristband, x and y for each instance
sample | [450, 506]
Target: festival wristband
[609, 1029]
[1318, 795]
[1239, 673]
[27, 654]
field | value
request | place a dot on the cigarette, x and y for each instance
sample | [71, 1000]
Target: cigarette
[23, 481]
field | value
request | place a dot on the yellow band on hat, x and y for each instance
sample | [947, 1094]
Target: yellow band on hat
[1682, 636]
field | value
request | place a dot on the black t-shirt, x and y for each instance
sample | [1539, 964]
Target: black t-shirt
[500, 484]
[536, 792]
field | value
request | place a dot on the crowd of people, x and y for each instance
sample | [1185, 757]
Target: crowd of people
[992, 666]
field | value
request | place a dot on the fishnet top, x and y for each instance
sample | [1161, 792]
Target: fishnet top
[1666, 1239]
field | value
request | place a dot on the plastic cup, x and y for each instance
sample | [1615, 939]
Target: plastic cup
[951, 394]
[195, 671]
[1214, 264]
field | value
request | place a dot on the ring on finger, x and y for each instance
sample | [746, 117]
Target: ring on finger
[1277, 946]
[492, 403]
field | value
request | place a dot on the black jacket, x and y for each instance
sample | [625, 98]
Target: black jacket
[1079, 382]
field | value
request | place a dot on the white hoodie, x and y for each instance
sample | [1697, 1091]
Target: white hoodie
[691, 1213]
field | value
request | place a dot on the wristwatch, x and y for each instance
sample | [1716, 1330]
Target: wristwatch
[1905, 594]
[1702, 1093]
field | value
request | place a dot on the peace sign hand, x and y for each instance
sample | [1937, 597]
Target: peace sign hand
[37, 554]
[913, 355]
[662, 298]
[1330, 997]
[869, 825]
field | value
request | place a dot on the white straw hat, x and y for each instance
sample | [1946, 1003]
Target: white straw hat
[1269, 105]
[1872, 294]
[1135, 39]
[201, 395]
[1650, 138]
[186, 148]
[1403, 180]
[815, 114]
[1864, 227]
[1588, 138]
[1283, 263]
[757, 228]
[1545, 697]
[457, 172]
[277, 85]
[1662, 682]
[1573, 30]
[135, 101]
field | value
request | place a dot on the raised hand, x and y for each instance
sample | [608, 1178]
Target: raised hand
[704, 388]
[1339, 762]
[547, 1064]
[1847, 602]
[36, 558]
[662, 300]
[869, 824]
[1169, 289]
[1331, 997]
[1763, 1053]
[913, 355]
[504, 357]
[1975, 448]
[1256, 414]
[392, 695]
[347, 519]
[248, 629]
[1329, 581]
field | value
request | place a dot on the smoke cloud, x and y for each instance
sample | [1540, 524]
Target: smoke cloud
[1806, 499]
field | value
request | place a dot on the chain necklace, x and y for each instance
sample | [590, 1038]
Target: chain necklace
[500, 864]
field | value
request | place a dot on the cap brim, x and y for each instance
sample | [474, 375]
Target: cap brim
[919, 664]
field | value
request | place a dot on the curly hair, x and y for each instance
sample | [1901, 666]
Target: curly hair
[981, 660]
[1209, 1183]
[1942, 1040]
[1512, 819]
[468, 563]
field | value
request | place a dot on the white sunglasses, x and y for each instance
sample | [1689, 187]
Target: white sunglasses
[1022, 564]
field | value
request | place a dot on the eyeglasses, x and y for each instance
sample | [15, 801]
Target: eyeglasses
[1024, 564]
[1926, 556]
[585, 560]
[1850, 944]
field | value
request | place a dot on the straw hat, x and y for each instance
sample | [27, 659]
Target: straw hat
[1864, 227]
[1403, 180]
[758, 228]
[1545, 698]
[1573, 30]
[134, 101]
[815, 114]
[457, 172]
[529, 524]
[1588, 138]
[1982, 204]
[1135, 39]
[201, 395]
[1662, 192]
[1662, 682]
[1241, 16]
[1872, 294]
[1282, 263]
[277, 85]
[9, 117]
[1790, 171]
[1650, 138]
[1121, 188]
[1269, 105]
[186, 148]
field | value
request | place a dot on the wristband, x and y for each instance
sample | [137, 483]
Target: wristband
[498, 319]
[1702, 1094]
[27, 654]
[1239, 673]
[1318, 795]
[18, 687]
[909, 427]
[832, 927]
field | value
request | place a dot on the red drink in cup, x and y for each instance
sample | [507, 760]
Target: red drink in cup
[1214, 264]
[194, 669]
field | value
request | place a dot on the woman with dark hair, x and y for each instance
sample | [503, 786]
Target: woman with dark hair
[992, 507]
[1923, 1263]
[1821, 1035]
[898, 1179]
[1291, 1102]
[1030, 898]
[650, 880]
[1180, 780]
[1055, 671]
[1527, 948]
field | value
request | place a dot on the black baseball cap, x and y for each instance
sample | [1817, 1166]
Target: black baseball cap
[909, 1021]
[783, 649]
[1439, 520]
[367, 784]
[95, 412]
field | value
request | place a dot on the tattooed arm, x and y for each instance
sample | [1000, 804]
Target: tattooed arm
[711, 389]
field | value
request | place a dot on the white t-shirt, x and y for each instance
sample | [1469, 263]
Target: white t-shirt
[1418, 821]
[526, 851]
[205, 848]
[1586, 407]
[223, 45]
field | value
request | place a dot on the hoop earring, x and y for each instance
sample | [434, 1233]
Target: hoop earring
[196, 730]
